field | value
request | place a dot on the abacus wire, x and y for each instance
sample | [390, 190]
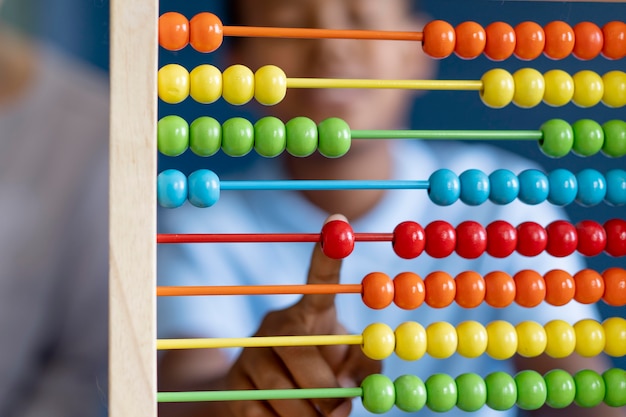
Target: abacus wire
[247, 395]
[319, 33]
[262, 238]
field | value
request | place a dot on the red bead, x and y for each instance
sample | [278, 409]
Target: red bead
[532, 239]
[440, 239]
[438, 39]
[173, 31]
[499, 289]
[471, 239]
[470, 40]
[500, 41]
[615, 237]
[560, 287]
[562, 238]
[530, 288]
[409, 240]
[501, 239]
[591, 237]
[470, 289]
[440, 289]
[559, 40]
[377, 290]
[205, 32]
[614, 40]
[529, 40]
[337, 239]
[614, 286]
[589, 286]
[588, 40]
[409, 290]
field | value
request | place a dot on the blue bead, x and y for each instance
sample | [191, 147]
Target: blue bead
[504, 186]
[616, 187]
[563, 187]
[444, 187]
[533, 186]
[204, 188]
[474, 187]
[591, 187]
[171, 188]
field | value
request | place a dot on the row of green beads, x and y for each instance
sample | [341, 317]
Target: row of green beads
[584, 137]
[269, 136]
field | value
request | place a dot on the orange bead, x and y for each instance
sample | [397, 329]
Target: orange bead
[614, 286]
[530, 288]
[499, 289]
[206, 33]
[588, 40]
[377, 290]
[560, 287]
[589, 286]
[409, 290]
[614, 40]
[440, 289]
[470, 40]
[500, 41]
[470, 289]
[529, 40]
[439, 39]
[173, 31]
[559, 40]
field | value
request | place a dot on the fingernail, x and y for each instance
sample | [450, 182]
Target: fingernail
[336, 216]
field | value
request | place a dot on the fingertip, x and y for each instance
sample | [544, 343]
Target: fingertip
[343, 410]
[336, 216]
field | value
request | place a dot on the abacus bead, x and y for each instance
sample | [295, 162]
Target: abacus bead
[408, 240]
[614, 40]
[532, 239]
[337, 239]
[440, 239]
[499, 289]
[471, 239]
[470, 40]
[379, 394]
[205, 84]
[441, 393]
[559, 88]
[501, 239]
[530, 40]
[504, 186]
[615, 187]
[560, 287]
[501, 340]
[411, 342]
[559, 40]
[533, 186]
[588, 137]
[173, 83]
[172, 135]
[500, 41]
[440, 289]
[588, 40]
[591, 237]
[472, 339]
[439, 39]
[501, 391]
[561, 388]
[589, 286]
[204, 188]
[561, 339]
[530, 288]
[237, 85]
[614, 89]
[270, 136]
[205, 136]
[444, 187]
[498, 88]
[615, 383]
[301, 136]
[378, 341]
[270, 85]
[531, 390]
[590, 388]
[474, 187]
[614, 286]
[615, 237]
[377, 290]
[237, 136]
[470, 289]
[558, 138]
[591, 187]
[206, 33]
[590, 338]
[173, 31]
[562, 238]
[471, 392]
[531, 339]
[334, 137]
[563, 187]
[410, 393]
[588, 88]
[171, 188]
[529, 87]
[409, 290]
[615, 334]
[442, 340]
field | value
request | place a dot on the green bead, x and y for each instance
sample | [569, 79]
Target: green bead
[410, 393]
[588, 137]
[301, 136]
[615, 383]
[590, 388]
[334, 137]
[560, 387]
[205, 136]
[501, 391]
[237, 136]
[379, 394]
[270, 137]
[531, 390]
[441, 393]
[558, 138]
[472, 392]
[614, 138]
[172, 135]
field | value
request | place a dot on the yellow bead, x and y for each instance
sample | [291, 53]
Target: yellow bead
[615, 334]
[410, 341]
[173, 83]
[561, 339]
[614, 89]
[588, 88]
[559, 88]
[472, 339]
[442, 340]
[237, 84]
[270, 85]
[501, 339]
[529, 87]
[206, 84]
[590, 338]
[378, 341]
[498, 88]
[531, 339]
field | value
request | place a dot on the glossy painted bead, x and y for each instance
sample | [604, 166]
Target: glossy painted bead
[441, 393]
[470, 40]
[530, 288]
[440, 289]
[498, 88]
[588, 137]
[439, 39]
[614, 89]
[615, 187]
[444, 187]
[563, 187]
[205, 32]
[472, 339]
[590, 338]
[173, 83]
[474, 187]
[614, 138]
[590, 388]
[562, 238]
[533, 187]
[409, 240]
[531, 339]
[337, 239]
[411, 341]
[237, 136]
[205, 84]
[530, 40]
[504, 186]
[589, 286]
[471, 239]
[204, 188]
[561, 388]
[560, 40]
[615, 237]
[378, 341]
[270, 137]
[500, 41]
[591, 237]
[442, 340]
[377, 290]
[470, 289]
[591, 187]
[588, 88]
[615, 335]
[558, 138]
[471, 392]
[499, 289]
[409, 290]
[237, 85]
[501, 339]
[532, 239]
[172, 135]
[529, 88]
[559, 88]
[410, 393]
[205, 136]
[379, 393]
[270, 85]
[334, 137]
[588, 40]
[561, 339]
[614, 286]
[615, 384]
[531, 390]
[614, 34]
[171, 188]
[501, 391]
[302, 136]
[173, 31]
[501, 239]
[559, 287]
[440, 239]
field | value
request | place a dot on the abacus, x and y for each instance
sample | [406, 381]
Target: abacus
[136, 138]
